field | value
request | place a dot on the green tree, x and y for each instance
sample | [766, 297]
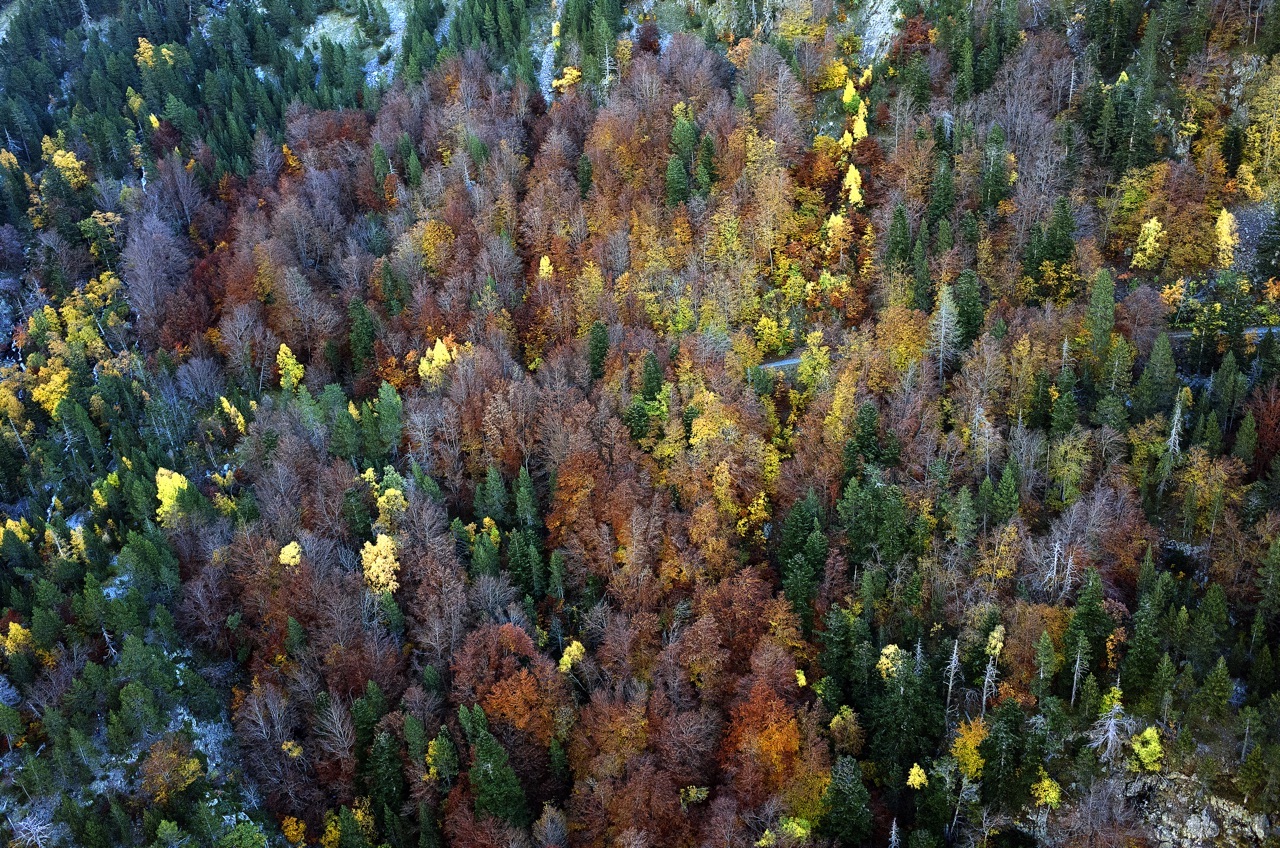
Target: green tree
[494, 784]
[363, 334]
[970, 311]
[898, 252]
[677, 182]
[848, 818]
[1159, 381]
[597, 349]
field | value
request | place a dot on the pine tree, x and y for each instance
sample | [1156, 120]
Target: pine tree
[1100, 319]
[491, 498]
[963, 518]
[526, 501]
[650, 377]
[363, 332]
[1047, 662]
[965, 74]
[1212, 702]
[386, 779]
[986, 502]
[994, 185]
[922, 291]
[945, 329]
[704, 175]
[1059, 238]
[1090, 623]
[1229, 389]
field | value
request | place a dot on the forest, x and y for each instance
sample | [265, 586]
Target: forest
[578, 424]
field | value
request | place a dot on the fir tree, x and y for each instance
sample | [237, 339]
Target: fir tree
[898, 252]
[1159, 381]
[969, 308]
[597, 349]
[494, 784]
[677, 182]
[848, 804]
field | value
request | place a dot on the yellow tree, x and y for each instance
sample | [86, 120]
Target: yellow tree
[1228, 236]
[380, 564]
[1151, 245]
[1263, 136]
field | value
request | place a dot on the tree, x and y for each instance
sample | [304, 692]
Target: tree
[363, 333]
[848, 804]
[898, 251]
[1263, 134]
[677, 182]
[1228, 238]
[1159, 381]
[494, 784]
[1100, 320]
[1149, 252]
[1266, 263]
[945, 331]
[970, 312]
[597, 349]
[1059, 238]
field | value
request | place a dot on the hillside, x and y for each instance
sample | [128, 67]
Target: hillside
[521, 423]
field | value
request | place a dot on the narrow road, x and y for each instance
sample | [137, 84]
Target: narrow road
[1185, 335]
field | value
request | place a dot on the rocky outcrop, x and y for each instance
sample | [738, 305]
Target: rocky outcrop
[1179, 814]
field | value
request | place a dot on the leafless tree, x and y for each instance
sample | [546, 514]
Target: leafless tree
[154, 262]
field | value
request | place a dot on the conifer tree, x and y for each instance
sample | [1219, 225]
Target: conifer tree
[1159, 381]
[494, 785]
[848, 804]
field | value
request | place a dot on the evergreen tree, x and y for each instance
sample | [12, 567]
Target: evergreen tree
[970, 311]
[363, 333]
[677, 182]
[650, 377]
[491, 497]
[848, 804]
[1007, 499]
[1059, 238]
[898, 253]
[1066, 411]
[1100, 319]
[597, 349]
[1090, 623]
[494, 784]
[994, 183]
[584, 176]
[923, 285]
[526, 515]
[965, 72]
[942, 196]
[1159, 381]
